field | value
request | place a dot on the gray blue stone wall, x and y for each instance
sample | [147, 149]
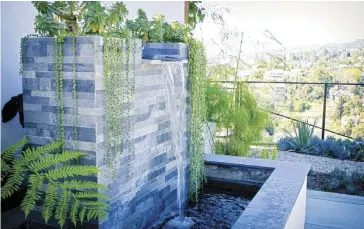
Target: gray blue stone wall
[145, 185]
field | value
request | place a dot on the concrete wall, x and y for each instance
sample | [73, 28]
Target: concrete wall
[17, 21]
[145, 182]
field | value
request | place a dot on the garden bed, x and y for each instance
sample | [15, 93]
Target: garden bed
[322, 164]
[328, 174]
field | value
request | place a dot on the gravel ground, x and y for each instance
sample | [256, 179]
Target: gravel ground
[322, 164]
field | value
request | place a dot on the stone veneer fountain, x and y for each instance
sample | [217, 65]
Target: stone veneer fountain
[146, 180]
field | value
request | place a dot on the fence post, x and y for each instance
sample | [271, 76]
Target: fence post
[324, 112]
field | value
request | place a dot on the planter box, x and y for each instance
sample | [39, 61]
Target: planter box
[165, 51]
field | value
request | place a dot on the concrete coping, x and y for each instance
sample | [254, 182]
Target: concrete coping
[147, 61]
[273, 204]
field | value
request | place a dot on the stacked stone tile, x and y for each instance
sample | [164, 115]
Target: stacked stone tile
[145, 185]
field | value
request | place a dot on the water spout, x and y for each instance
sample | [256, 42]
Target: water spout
[175, 76]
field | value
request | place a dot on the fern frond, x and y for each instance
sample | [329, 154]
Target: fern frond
[71, 171]
[51, 147]
[16, 178]
[95, 214]
[77, 184]
[82, 214]
[62, 208]
[74, 211]
[32, 154]
[49, 202]
[46, 162]
[90, 195]
[95, 204]
[33, 193]
[8, 154]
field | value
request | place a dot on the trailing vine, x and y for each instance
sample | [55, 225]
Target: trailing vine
[74, 92]
[58, 56]
[197, 87]
[22, 40]
[128, 89]
[118, 84]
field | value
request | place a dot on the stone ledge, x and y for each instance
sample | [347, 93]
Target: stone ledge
[280, 202]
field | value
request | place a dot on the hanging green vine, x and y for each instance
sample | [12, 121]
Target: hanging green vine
[118, 84]
[74, 92]
[22, 41]
[58, 56]
[197, 87]
[128, 89]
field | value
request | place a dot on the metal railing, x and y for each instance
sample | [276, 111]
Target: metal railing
[326, 87]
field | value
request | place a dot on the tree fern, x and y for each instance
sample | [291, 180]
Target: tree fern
[33, 193]
[71, 171]
[90, 195]
[76, 184]
[16, 177]
[74, 211]
[9, 152]
[62, 207]
[49, 201]
[7, 157]
[82, 214]
[54, 170]
[50, 161]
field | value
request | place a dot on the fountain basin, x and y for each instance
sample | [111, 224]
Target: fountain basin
[274, 194]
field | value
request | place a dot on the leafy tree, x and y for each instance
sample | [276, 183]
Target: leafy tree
[352, 75]
[339, 109]
[348, 128]
[358, 131]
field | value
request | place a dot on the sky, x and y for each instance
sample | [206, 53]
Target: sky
[293, 23]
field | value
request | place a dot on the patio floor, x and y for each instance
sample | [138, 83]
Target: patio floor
[326, 210]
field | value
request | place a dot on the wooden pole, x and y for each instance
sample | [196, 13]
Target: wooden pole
[187, 3]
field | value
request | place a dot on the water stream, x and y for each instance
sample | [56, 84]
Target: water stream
[176, 101]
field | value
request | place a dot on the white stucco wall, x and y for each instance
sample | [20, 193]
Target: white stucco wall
[17, 21]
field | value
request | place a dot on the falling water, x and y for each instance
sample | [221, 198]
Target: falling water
[174, 74]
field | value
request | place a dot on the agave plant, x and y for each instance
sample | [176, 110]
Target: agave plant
[302, 140]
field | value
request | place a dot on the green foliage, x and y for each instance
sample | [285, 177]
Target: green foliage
[46, 26]
[266, 154]
[119, 93]
[339, 109]
[341, 181]
[303, 136]
[176, 32]
[302, 106]
[95, 18]
[45, 166]
[246, 121]
[117, 15]
[358, 131]
[8, 156]
[156, 31]
[140, 26]
[217, 104]
[196, 14]
[352, 75]
[197, 87]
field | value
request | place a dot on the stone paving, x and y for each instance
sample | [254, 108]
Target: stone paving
[326, 210]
